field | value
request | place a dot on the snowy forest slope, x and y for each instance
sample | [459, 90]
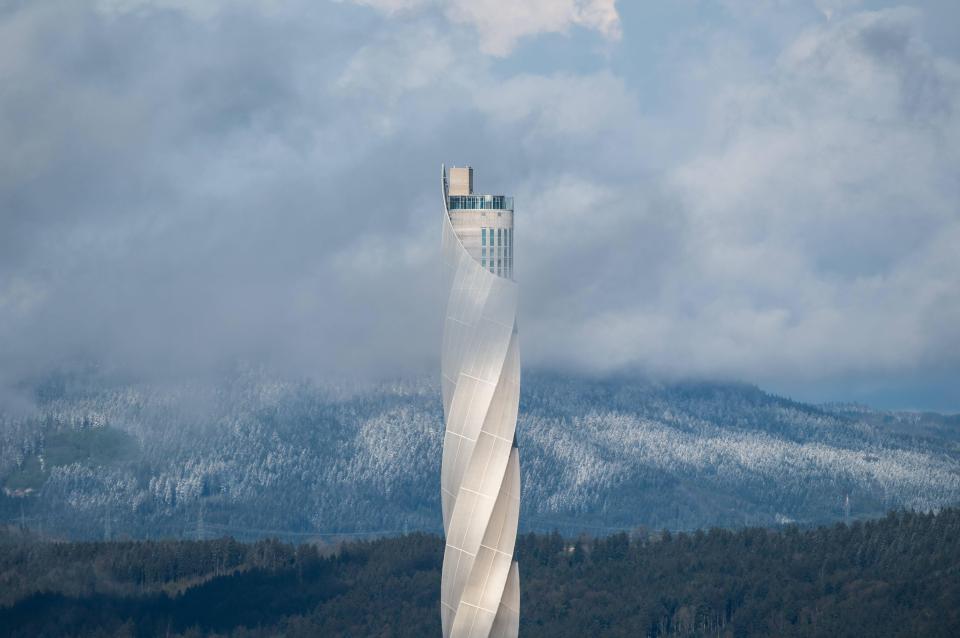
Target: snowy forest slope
[254, 456]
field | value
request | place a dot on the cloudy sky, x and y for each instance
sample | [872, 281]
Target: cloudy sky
[763, 190]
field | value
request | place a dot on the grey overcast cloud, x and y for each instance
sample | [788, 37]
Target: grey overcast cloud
[762, 190]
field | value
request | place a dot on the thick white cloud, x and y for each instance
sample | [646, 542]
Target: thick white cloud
[499, 24]
[818, 218]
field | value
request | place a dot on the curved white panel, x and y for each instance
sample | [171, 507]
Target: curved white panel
[480, 475]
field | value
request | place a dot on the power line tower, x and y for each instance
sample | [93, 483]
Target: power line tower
[107, 529]
[201, 527]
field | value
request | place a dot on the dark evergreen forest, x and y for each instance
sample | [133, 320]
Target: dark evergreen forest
[896, 576]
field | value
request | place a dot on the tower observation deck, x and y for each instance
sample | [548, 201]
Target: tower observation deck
[483, 223]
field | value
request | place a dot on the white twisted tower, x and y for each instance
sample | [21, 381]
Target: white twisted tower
[480, 366]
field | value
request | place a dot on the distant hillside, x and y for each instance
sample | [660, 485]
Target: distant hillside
[255, 456]
[897, 576]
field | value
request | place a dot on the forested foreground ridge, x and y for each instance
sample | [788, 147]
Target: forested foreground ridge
[250, 455]
[895, 576]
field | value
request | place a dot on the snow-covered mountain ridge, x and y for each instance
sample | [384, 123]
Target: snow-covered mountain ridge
[256, 456]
